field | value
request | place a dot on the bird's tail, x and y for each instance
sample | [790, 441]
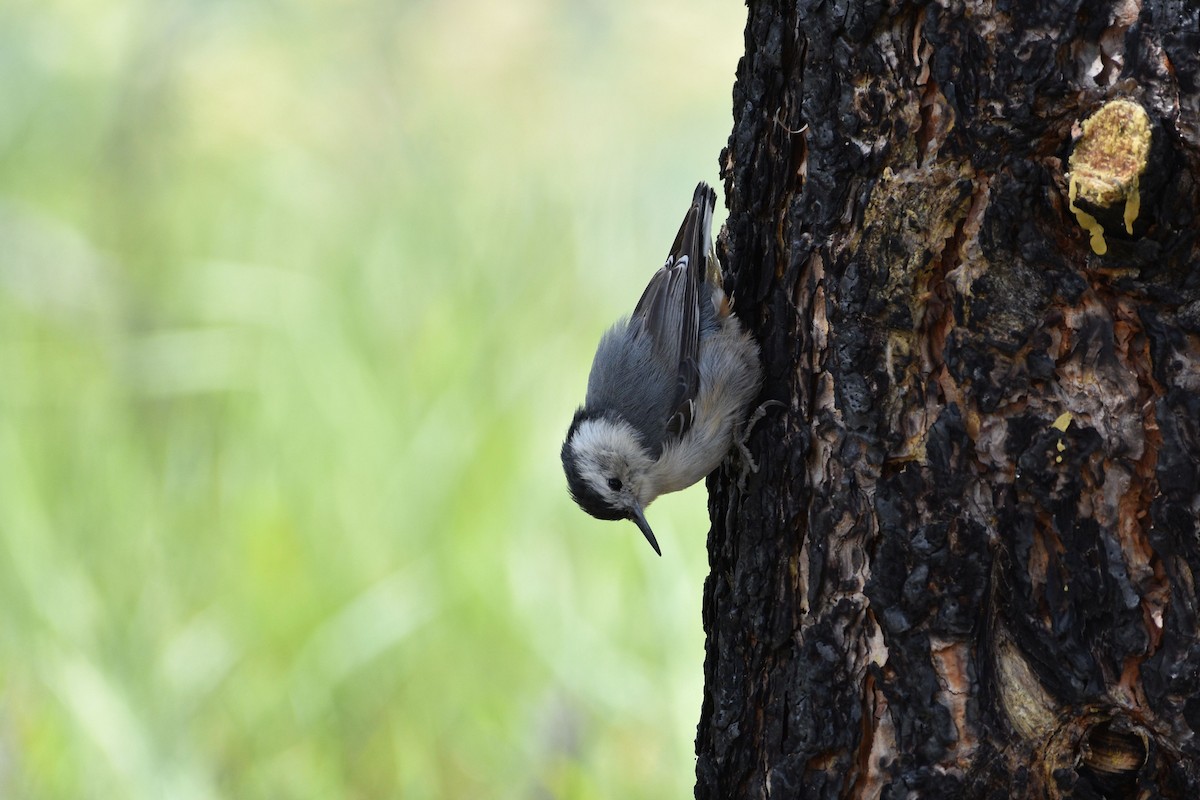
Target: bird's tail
[703, 202]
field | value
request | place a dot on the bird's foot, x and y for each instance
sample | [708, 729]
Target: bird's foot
[749, 465]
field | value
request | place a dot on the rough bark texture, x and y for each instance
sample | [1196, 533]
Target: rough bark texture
[967, 565]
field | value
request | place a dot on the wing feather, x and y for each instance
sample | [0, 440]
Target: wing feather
[669, 310]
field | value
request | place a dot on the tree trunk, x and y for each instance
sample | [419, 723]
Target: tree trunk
[965, 236]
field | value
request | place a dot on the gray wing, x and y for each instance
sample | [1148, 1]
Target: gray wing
[647, 367]
[668, 313]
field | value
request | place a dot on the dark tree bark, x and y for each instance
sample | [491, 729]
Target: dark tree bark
[966, 238]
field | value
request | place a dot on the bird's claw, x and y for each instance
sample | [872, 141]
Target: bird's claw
[749, 465]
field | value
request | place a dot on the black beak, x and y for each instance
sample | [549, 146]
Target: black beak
[640, 519]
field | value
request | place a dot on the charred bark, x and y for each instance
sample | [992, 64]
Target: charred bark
[966, 238]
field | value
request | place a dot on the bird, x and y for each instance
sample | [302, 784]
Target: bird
[669, 388]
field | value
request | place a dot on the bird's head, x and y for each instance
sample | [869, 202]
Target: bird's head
[608, 469]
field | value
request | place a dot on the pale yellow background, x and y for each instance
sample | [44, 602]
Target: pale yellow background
[296, 301]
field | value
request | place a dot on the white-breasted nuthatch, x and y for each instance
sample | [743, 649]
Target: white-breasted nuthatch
[670, 386]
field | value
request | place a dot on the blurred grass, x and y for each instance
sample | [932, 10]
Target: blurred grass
[296, 301]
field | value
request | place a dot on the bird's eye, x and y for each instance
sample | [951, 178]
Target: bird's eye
[614, 484]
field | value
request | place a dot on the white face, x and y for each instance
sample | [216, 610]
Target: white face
[612, 462]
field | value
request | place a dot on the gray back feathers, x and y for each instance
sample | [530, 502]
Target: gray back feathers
[647, 366]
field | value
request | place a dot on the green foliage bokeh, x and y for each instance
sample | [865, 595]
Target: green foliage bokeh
[296, 301]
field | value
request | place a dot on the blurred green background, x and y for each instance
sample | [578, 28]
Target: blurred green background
[296, 302]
